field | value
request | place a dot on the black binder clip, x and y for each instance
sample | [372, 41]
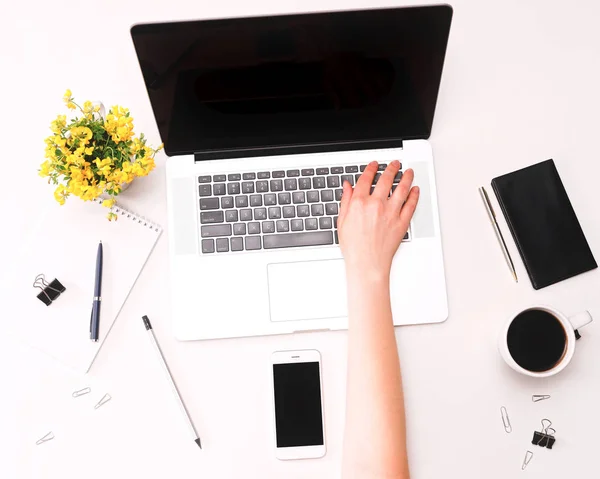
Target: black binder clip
[545, 437]
[50, 291]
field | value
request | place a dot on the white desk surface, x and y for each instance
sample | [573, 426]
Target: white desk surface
[521, 84]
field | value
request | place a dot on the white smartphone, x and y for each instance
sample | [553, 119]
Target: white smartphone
[298, 404]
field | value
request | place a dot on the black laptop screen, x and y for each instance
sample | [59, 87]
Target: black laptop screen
[294, 80]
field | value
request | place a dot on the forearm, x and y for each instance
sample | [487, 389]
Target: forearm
[375, 437]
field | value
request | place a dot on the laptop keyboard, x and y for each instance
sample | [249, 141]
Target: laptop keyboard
[274, 209]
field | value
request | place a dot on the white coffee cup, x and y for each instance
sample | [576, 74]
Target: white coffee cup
[570, 325]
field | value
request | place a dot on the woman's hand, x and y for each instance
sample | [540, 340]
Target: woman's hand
[371, 226]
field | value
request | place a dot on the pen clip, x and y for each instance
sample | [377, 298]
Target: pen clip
[487, 200]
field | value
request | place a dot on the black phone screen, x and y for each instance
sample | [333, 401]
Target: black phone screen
[298, 415]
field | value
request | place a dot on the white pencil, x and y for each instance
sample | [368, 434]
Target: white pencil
[182, 407]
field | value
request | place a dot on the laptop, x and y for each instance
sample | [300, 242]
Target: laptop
[262, 120]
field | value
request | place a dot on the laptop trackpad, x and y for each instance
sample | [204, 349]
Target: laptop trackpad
[307, 290]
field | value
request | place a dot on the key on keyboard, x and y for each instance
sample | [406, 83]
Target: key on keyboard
[298, 239]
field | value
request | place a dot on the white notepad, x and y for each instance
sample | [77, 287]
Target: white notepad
[64, 246]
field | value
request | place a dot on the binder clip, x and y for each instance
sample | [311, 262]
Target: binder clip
[545, 437]
[50, 291]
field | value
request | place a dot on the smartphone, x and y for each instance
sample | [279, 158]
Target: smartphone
[298, 404]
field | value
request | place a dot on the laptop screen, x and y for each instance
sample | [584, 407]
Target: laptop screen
[294, 80]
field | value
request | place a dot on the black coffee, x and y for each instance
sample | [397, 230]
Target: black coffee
[536, 340]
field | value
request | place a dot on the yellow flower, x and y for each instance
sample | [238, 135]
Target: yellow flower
[59, 141]
[122, 131]
[78, 187]
[89, 150]
[51, 152]
[109, 203]
[138, 169]
[76, 174]
[93, 192]
[82, 133]
[84, 190]
[104, 166]
[123, 175]
[57, 125]
[101, 163]
[88, 110]
[143, 166]
[45, 169]
[118, 177]
[119, 124]
[68, 99]
[60, 194]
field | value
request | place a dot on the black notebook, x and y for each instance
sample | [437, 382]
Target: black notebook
[543, 224]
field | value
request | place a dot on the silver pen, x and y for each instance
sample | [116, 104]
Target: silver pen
[192, 430]
[492, 215]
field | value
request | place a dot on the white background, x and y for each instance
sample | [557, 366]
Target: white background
[521, 84]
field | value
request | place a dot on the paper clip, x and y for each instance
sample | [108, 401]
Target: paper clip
[46, 438]
[527, 460]
[506, 420]
[540, 397]
[103, 401]
[81, 392]
[544, 438]
[50, 291]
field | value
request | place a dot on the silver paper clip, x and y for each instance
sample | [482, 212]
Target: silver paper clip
[103, 401]
[46, 438]
[506, 420]
[540, 397]
[81, 392]
[527, 460]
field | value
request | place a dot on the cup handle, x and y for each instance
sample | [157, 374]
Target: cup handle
[579, 320]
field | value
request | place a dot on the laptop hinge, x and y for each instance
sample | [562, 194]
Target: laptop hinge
[297, 149]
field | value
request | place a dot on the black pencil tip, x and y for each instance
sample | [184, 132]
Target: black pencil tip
[197, 441]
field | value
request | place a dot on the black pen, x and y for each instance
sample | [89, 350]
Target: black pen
[95, 320]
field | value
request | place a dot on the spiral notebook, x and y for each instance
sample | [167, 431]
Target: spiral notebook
[64, 247]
